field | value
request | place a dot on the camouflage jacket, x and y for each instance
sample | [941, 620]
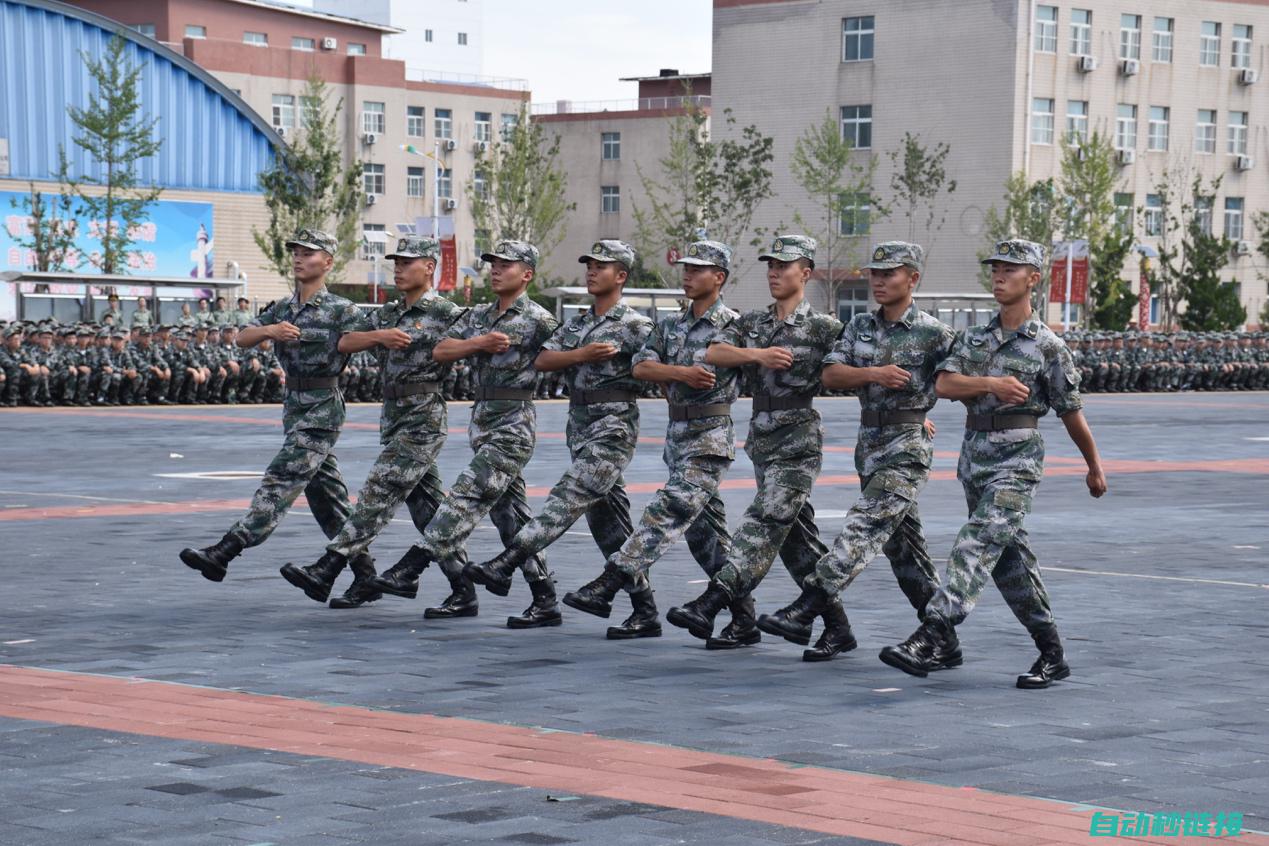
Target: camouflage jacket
[683, 340]
[240, 317]
[528, 326]
[147, 356]
[426, 322]
[321, 321]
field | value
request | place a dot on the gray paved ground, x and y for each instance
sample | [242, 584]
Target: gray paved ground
[1161, 598]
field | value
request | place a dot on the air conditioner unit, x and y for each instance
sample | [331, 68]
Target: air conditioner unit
[1247, 76]
[371, 199]
[1086, 64]
[369, 138]
[450, 145]
[1130, 67]
[329, 44]
[449, 203]
[1244, 163]
[281, 131]
[1242, 248]
[1126, 157]
[481, 147]
[1081, 154]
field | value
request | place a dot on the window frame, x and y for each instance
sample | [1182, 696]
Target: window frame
[443, 124]
[1237, 216]
[1081, 34]
[415, 122]
[1205, 133]
[1043, 122]
[415, 181]
[610, 199]
[860, 124]
[1161, 41]
[864, 38]
[262, 41]
[374, 120]
[1236, 133]
[281, 110]
[1210, 45]
[374, 175]
[1129, 38]
[610, 146]
[198, 33]
[1125, 127]
[1045, 38]
[1153, 133]
[1240, 58]
[854, 218]
[1073, 134]
[303, 43]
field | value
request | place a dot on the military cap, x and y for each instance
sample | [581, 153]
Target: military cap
[416, 246]
[521, 251]
[707, 253]
[103, 333]
[144, 331]
[314, 239]
[84, 332]
[1018, 251]
[119, 335]
[13, 329]
[891, 254]
[791, 248]
[44, 329]
[63, 331]
[611, 249]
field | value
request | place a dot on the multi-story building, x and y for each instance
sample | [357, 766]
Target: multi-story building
[603, 147]
[444, 36]
[1176, 83]
[266, 53]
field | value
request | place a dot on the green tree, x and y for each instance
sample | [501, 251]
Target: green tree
[1090, 175]
[310, 187]
[1211, 304]
[116, 138]
[837, 182]
[522, 192]
[50, 235]
[917, 178]
[1110, 297]
[1030, 211]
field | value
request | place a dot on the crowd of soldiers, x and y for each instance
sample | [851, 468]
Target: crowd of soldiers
[1125, 362]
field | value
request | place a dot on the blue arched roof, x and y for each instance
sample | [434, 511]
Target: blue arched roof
[212, 140]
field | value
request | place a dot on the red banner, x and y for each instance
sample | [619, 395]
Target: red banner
[1079, 281]
[1143, 304]
[449, 265]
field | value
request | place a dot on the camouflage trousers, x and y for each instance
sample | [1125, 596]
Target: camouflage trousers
[306, 463]
[1000, 472]
[592, 485]
[405, 471]
[491, 484]
[687, 506]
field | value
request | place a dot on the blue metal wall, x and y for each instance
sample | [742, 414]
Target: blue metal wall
[211, 139]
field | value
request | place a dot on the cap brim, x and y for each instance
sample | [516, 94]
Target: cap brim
[593, 257]
[699, 261]
[290, 245]
[885, 265]
[784, 257]
[406, 255]
[1007, 260]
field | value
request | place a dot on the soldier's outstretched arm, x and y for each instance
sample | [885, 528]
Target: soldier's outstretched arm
[253, 335]
[1082, 437]
[958, 386]
[549, 361]
[355, 342]
[843, 377]
[654, 371]
[452, 349]
[727, 355]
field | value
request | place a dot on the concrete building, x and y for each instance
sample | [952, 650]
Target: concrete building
[445, 37]
[266, 53]
[1178, 83]
[603, 145]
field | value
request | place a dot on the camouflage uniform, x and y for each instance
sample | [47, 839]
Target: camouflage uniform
[502, 432]
[697, 451]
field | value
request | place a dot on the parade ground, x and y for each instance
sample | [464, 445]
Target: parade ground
[140, 703]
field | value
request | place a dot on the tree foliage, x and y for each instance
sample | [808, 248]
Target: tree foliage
[917, 180]
[51, 229]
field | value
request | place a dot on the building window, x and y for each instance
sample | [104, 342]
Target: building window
[1237, 137]
[145, 29]
[445, 183]
[1161, 41]
[1234, 218]
[857, 126]
[1203, 214]
[373, 178]
[1126, 127]
[484, 126]
[284, 110]
[1046, 29]
[1157, 132]
[1240, 47]
[1042, 120]
[312, 109]
[853, 301]
[373, 117]
[1130, 36]
[257, 39]
[1123, 212]
[610, 146]
[371, 248]
[414, 179]
[508, 124]
[195, 31]
[355, 49]
[462, 39]
[1076, 121]
[427, 36]
[299, 42]
[609, 199]
[1081, 32]
[480, 183]
[1210, 44]
[1205, 131]
[855, 214]
[444, 121]
[1152, 220]
[414, 121]
[857, 35]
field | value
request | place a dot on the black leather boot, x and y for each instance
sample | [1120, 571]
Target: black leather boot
[318, 578]
[793, 622]
[213, 561]
[836, 637]
[742, 630]
[1051, 666]
[495, 574]
[697, 616]
[595, 597]
[361, 591]
[461, 601]
[544, 611]
[916, 655]
[643, 622]
[948, 652]
[402, 578]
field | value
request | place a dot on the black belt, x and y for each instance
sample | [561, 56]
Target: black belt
[1000, 422]
[678, 413]
[312, 383]
[766, 402]
[890, 418]
[592, 397]
[484, 393]
[409, 389]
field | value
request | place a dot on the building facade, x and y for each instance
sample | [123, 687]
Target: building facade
[444, 37]
[1176, 84]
